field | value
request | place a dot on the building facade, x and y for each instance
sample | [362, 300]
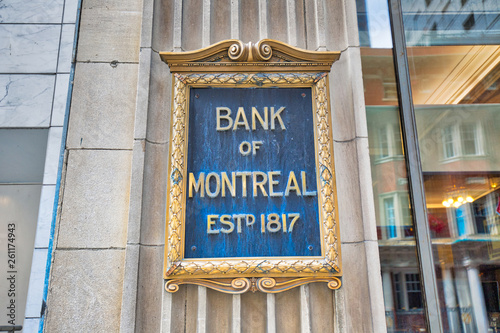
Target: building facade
[85, 130]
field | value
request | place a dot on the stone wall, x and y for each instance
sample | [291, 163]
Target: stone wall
[108, 260]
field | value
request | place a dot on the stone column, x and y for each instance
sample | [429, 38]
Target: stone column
[450, 301]
[464, 300]
[388, 300]
[477, 297]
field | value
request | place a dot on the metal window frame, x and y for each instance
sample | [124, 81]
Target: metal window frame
[414, 170]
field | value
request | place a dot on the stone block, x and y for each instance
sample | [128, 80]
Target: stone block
[159, 106]
[136, 189]
[129, 297]
[85, 291]
[348, 188]
[96, 199]
[341, 100]
[366, 190]
[163, 27]
[142, 101]
[154, 199]
[150, 289]
[356, 287]
[110, 31]
[103, 106]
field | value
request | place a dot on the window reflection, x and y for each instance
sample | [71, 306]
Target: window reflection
[454, 68]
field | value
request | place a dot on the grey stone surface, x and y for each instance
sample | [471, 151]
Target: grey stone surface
[96, 199]
[348, 188]
[220, 20]
[358, 95]
[129, 296]
[136, 188]
[341, 100]
[335, 22]
[356, 288]
[192, 24]
[375, 285]
[141, 113]
[103, 106]
[147, 23]
[163, 29]
[154, 198]
[369, 217]
[277, 25]
[159, 106]
[351, 22]
[150, 289]
[110, 31]
[249, 21]
[85, 291]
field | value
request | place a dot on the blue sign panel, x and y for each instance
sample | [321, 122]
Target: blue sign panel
[251, 188]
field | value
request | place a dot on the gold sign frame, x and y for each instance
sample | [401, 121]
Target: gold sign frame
[268, 63]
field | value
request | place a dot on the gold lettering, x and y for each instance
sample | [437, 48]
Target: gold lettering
[238, 218]
[198, 185]
[231, 186]
[244, 122]
[226, 117]
[273, 182]
[243, 176]
[217, 185]
[289, 186]
[252, 218]
[259, 183]
[304, 186]
[224, 219]
[277, 115]
[210, 223]
[263, 123]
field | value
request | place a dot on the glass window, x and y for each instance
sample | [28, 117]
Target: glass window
[395, 231]
[454, 64]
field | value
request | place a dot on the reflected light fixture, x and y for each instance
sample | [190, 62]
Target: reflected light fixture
[460, 200]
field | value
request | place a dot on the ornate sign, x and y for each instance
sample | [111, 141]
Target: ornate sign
[251, 196]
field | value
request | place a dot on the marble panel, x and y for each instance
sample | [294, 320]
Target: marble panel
[31, 325]
[29, 48]
[45, 216]
[66, 48]
[32, 11]
[37, 279]
[60, 100]
[70, 11]
[52, 156]
[25, 100]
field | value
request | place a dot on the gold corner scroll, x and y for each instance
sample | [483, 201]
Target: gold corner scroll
[233, 55]
[241, 285]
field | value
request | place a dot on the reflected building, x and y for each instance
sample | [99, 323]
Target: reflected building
[455, 71]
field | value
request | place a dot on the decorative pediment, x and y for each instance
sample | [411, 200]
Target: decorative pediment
[233, 55]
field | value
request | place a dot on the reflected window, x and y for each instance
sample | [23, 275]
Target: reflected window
[407, 291]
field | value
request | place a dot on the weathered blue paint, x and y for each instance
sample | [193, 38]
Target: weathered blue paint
[287, 150]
